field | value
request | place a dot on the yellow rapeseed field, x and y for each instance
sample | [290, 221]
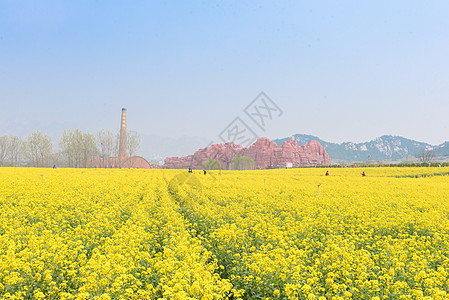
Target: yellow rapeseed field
[168, 234]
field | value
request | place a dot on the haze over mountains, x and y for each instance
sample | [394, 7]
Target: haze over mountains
[384, 148]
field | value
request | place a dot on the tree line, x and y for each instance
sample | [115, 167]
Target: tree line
[74, 148]
[239, 162]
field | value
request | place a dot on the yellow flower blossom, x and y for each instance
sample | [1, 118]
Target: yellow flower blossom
[146, 234]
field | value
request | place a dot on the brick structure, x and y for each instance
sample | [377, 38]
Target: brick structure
[123, 160]
[265, 153]
[122, 152]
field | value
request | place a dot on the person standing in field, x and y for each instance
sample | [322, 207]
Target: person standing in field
[363, 174]
[327, 173]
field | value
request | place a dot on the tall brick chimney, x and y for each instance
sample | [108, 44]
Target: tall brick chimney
[122, 152]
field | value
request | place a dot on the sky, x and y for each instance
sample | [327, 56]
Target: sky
[340, 70]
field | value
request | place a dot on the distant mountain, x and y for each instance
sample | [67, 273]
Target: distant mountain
[442, 150]
[383, 148]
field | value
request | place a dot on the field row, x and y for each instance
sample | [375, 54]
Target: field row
[273, 234]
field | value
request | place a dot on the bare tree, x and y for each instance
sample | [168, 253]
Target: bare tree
[38, 149]
[89, 149]
[10, 150]
[133, 145]
[426, 156]
[77, 147]
[106, 145]
[15, 150]
[119, 160]
[4, 145]
[133, 142]
[70, 144]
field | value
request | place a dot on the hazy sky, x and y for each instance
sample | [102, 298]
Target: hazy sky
[341, 70]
